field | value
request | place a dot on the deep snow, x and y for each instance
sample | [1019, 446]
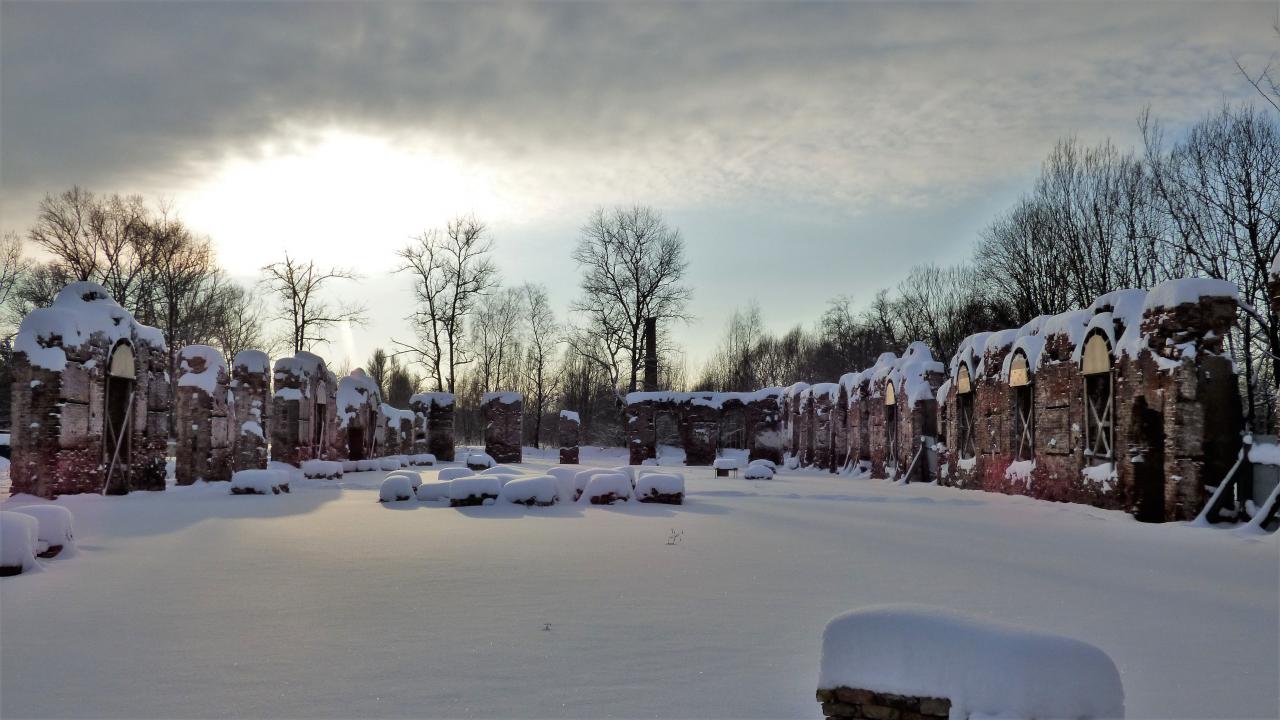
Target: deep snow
[323, 602]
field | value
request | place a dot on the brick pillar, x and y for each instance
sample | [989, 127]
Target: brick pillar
[502, 414]
[251, 395]
[764, 418]
[568, 433]
[201, 429]
[642, 431]
[699, 433]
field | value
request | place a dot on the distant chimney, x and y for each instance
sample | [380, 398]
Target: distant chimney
[650, 354]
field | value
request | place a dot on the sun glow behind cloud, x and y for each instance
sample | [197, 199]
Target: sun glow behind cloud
[340, 197]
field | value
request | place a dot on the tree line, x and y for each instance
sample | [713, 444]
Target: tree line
[1097, 218]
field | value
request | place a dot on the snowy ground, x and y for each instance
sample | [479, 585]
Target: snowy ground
[193, 602]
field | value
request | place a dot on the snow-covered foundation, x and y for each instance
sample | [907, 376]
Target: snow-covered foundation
[568, 434]
[250, 408]
[90, 398]
[203, 437]
[502, 414]
[303, 412]
[893, 662]
[437, 408]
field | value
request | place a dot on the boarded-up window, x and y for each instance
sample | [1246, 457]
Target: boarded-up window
[1099, 400]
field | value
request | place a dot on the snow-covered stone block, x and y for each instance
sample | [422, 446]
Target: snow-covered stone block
[666, 488]
[453, 473]
[395, 488]
[607, 488]
[55, 531]
[391, 462]
[583, 478]
[414, 477]
[568, 489]
[433, 491]
[480, 461]
[19, 543]
[880, 662]
[423, 460]
[368, 465]
[541, 490]
[322, 469]
[473, 490]
[259, 482]
[758, 472]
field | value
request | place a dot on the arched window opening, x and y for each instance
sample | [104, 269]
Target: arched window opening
[890, 425]
[1099, 400]
[1024, 432]
[117, 418]
[967, 445]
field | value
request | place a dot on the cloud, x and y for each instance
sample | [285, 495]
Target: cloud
[854, 104]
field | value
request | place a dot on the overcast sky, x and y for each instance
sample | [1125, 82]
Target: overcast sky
[841, 143]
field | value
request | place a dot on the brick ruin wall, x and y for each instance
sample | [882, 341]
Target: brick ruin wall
[203, 441]
[503, 417]
[61, 361]
[251, 409]
[436, 409]
[568, 436]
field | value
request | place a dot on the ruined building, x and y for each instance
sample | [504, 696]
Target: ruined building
[304, 419]
[90, 398]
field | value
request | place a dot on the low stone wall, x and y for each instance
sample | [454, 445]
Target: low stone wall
[844, 703]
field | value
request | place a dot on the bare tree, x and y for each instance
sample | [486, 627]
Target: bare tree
[495, 339]
[237, 321]
[297, 287]
[376, 367]
[452, 271]
[13, 268]
[633, 266]
[543, 334]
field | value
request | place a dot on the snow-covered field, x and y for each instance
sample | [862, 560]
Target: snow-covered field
[323, 602]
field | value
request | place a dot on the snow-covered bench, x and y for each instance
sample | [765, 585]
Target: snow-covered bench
[909, 660]
[724, 466]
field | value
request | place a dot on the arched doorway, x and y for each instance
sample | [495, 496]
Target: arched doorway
[117, 446]
[890, 429]
[1148, 461]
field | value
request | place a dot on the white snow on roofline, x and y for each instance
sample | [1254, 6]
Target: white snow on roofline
[506, 397]
[1172, 293]
[207, 379]
[985, 668]
[443, 399]
[79, 311]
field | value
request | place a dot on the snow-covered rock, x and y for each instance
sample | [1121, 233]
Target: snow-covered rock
[453, 473]
[984, 668]
[390, 462]
[501, 470]
[19, 543]
[368, 465]
[423, 460]
[350, 466]
[765, 462]
[55, 532]
[259, 482]
[433, 491]
[473, 490]
[322, 469]
[539, 490]
[395, 488]
[606, 488]
[583, 478]
[565, 485]
[655, 487]
[758, 472]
